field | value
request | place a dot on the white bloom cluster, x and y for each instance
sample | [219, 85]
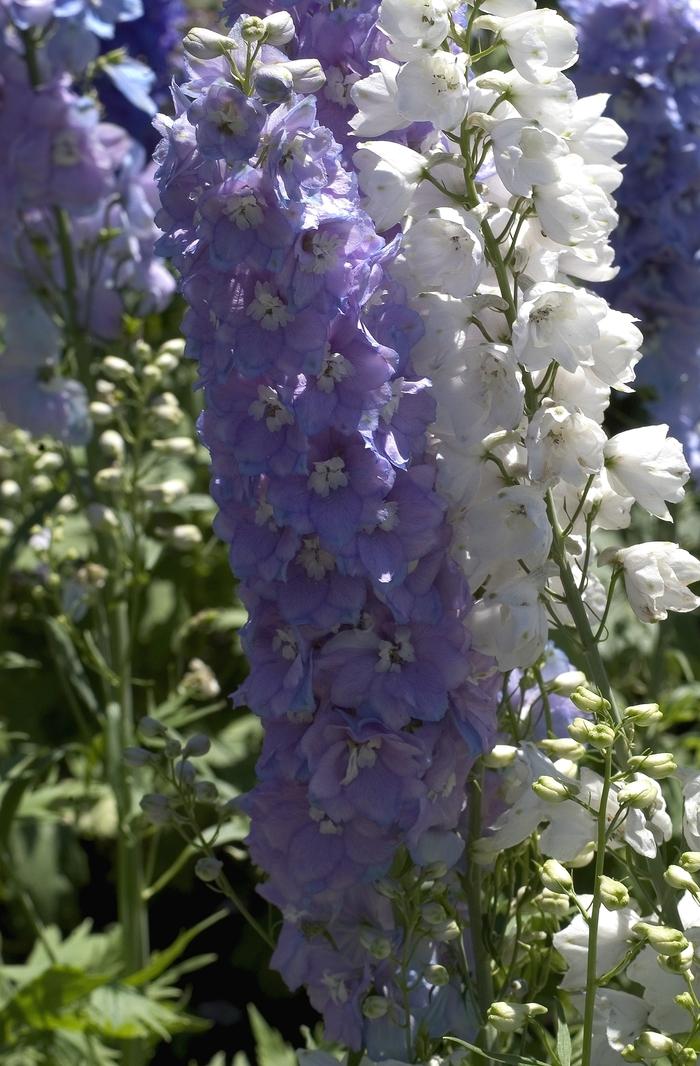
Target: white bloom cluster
[506, 212]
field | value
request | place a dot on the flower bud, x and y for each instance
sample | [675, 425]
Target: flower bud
[510, 1017]
[677, 877]
[184, 537]
[208, 869]
[152, 374]
[375, 1007]
[686, 1056]
[49, 462]
[445, 932]
[101, 413]
[597, 734]
[156, 808]
[588, 700]
[166, 492]
[40, 484]
[307, 75]
[206, 792]
[652, 1045]
[690, 860]
[172, 748]
[204, 44]
[566, 683]
[555, 903]
[10, 490]
[437, 975]
[273, 82]
[662, 938]
[556, 877]
[613, 894]
[433, 913]
[562, 748]
[101, 517]
[150, 727]
[185, 772]
[686, 1001]
[252, 29]
[679, 963]
[167, 362]
[67, 504]
[643, 714]
[499, 756]
[279, 28]
[657, 765]
[112, 444]
[551, 790]
[180, 446]
[637, 794]
[110, 478]
[116, 369]
[435, 870]
[7, 527]
[197, 746]
[136, 757]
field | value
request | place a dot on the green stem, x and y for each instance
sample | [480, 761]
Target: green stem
[592, 960]
[482, 968]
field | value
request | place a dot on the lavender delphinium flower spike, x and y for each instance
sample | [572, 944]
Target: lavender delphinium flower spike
[358, 642]
[646, 55]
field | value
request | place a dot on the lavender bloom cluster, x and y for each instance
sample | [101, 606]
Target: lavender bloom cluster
[360, 663]
[646, 53]
[77, 213]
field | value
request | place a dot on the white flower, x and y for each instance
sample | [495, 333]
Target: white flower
[691, 812]
[556, 322]
[563, 443]
[550, 104]
[511, 624]
[442, 252]
[446, 327]
[657, 576]
[540, 44]
[582, 389]
[649, 465]
[506, 8]
[619, 1019]
[486, 394]
[414, 24]
[595, 138]
[616, 351]
[511, 525]
[524, 154]
[576, 208]
[614, 935]
[433, 89]
[389, 175]
[375, 99]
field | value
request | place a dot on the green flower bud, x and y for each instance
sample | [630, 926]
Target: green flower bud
[657, 765]
[653, 1046]
[686, 1001]
[375, 1007]
[637, 794]
[566, 683]
[588, 700]
[201, 43]
[690, 860]
[613, 893]
[437, 975]
[662, 938]
[551, 789]
[445, 932]
[433, 913]
[252, 29]
[208, 869]
[643, 714]
[681, 879]
[584, 856]
[554, 903]
[679, 963]
[116, 369]
[556, 877]
[597, 734]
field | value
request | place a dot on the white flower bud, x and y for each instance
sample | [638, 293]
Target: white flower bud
[101, 517]
[166, 492]
[110, 478]
[681, 879]
[584, 856]
[167, 362]
[180, 446]
[597, 734]
[556, 877]
[499, 756]
[101, 413]
[656, 765]
[112, 444]
[203, 44]
[152, 374]
[116, 368]
[510, 1017]
[556, 904]
[279, 28]
[566, 683]
[67, 504]
[643, 714]
[40, 484]
[613, 893]
[185, 537]
[690, 860]
[551, 790]
[49, 462]
[273, 82]
[437, 975]
[679, 963]
[10, 490]
[653, 1046]
[208, 869]
[7, 527]
[433, 913]
[307, 75]
[562, 748]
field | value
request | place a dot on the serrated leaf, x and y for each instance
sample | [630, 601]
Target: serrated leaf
[118, 1012]
[41, 1002]
[270, 1047]
[161, 960]
[82, 949]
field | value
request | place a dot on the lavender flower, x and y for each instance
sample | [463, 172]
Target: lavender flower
[358, 639]
[646, 55]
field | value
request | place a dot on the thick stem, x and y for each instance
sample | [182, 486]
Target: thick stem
[482, 968]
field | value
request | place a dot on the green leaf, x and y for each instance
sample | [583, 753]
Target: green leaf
[270, 1048]
[118, 1012]
[161, 960]
[41, 1002]
[12, 660]
[563, 1043]
[63, 649]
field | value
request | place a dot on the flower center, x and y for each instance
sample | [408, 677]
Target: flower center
[268, 308]
[316, 560]
[270, 407]
[244, 211]
[328, 476]
[335, 368]
[393, 654]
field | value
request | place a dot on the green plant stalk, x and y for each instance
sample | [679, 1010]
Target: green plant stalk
[482, 969]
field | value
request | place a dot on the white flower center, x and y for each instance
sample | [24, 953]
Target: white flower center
[268, 308]
[229, 118]
[65, 151]
[244, 211]
[361, 756]
[316, 560]
[388, 516]
[338, 85]
[285, 643]
[393, 654]
[328, 476]
[270, 407]
[322, 248]
[337, 989]
[335, 368]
